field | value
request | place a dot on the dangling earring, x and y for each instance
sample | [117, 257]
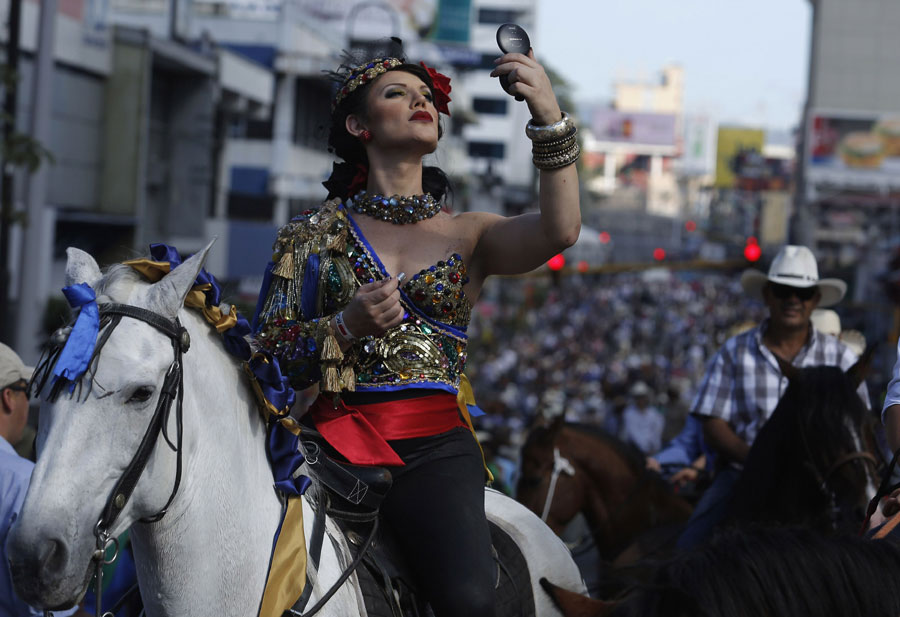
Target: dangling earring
[365, 136]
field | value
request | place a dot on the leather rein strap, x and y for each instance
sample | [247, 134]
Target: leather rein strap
[171, 390]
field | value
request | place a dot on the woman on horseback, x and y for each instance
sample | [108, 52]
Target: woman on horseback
[370, 296]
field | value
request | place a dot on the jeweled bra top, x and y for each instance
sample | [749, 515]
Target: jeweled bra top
[320, 259]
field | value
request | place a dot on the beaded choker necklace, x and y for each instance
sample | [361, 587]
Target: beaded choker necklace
[396, 209]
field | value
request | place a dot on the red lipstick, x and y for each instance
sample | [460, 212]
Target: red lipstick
[421, 116]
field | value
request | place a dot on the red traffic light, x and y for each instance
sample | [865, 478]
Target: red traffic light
[556, 262]
[659, 254]
[752, 252]
[690, 226]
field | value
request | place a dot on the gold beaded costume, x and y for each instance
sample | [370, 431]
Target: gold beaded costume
[320, 259]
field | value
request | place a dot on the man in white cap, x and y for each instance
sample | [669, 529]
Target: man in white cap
[15, 471]
[744, 383]
[642, 422]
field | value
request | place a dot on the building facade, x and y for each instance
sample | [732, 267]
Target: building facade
[849, 191]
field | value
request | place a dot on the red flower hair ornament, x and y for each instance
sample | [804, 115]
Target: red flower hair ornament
[441, 89]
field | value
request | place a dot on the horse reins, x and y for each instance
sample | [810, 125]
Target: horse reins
[171, 390]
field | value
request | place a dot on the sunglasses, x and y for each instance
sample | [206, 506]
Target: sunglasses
[783, 292]
[18, 387]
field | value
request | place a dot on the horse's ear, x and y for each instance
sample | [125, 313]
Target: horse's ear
[787, 369]
[167, 296]
[859, 371]
[81, 268]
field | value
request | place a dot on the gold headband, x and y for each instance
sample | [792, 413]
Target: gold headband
[363, 74]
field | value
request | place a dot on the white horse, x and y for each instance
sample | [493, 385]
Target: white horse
[209, 554]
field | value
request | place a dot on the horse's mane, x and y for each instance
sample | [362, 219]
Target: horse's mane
[625, 449]
[628, 452]
[778, 572]
[117, 282]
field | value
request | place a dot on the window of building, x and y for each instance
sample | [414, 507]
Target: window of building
[250, 207]
[487, 149]
[498, 16]
[259, 129]
[312, 113]
[489, 106]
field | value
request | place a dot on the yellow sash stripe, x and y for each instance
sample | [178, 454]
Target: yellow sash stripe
[287, 572]
[465, 397]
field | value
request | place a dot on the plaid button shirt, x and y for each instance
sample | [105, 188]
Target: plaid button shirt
[743, 381]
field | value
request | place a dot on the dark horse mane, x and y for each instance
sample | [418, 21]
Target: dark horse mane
[778, 572]
[627, 451]
[803, 427]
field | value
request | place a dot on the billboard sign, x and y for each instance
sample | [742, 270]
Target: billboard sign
[447, 21]
[255, 10]
[737, 149]
[635, 128]
[698, 157]
[853, 152]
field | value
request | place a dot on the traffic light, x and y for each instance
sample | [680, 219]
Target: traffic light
[659, 254]
[556, 262]
[752, 252]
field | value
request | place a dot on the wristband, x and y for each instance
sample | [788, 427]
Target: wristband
[342, 327]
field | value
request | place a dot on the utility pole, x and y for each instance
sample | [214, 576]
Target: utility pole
[37, 251]
[7, 208]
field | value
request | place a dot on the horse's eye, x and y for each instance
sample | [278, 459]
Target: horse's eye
[141, 395]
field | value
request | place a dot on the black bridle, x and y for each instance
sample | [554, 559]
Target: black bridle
[824, 480]
[172, 390]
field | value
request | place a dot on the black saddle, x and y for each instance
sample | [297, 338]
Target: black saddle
[351, 495]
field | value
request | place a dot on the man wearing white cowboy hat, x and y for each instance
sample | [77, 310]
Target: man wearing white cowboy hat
[743, 382]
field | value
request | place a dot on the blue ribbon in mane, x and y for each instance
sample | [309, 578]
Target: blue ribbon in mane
[233, 338]
[76, 355]
[164, 252]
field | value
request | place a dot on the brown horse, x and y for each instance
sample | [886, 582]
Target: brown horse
[569, 469]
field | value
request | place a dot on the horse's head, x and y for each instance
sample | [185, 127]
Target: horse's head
[820, 448]
[88, 435]
[548, 484]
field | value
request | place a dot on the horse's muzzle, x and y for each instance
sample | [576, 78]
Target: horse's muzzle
[39, 572]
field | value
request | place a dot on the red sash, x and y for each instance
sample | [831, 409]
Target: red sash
[361, 433]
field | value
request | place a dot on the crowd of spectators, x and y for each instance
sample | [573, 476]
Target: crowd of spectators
[590, 346]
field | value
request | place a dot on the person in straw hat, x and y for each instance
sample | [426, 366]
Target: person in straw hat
[744, 382]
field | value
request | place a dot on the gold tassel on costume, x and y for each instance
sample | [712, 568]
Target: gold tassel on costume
[331, 381]
[331, 350]
[348, 377]
[330, 359]
[285, 266]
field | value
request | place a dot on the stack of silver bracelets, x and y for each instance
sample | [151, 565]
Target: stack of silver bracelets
[554, 145]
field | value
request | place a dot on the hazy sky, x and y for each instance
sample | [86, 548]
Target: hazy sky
[744, 62]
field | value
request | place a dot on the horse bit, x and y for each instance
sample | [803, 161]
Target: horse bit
[172, 389]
